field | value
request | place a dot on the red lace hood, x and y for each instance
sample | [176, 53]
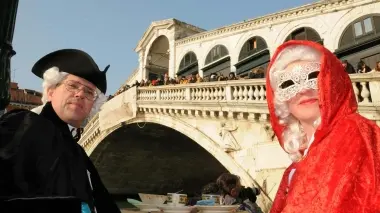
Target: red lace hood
[336, 95]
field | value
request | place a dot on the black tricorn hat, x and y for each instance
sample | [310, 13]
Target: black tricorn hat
[75, 62]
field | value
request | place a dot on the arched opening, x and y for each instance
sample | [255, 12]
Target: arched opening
[305, 33]
[360, 41]
[217, 61]
[253, 55]
[188, 65]
[157, 62]
[151, 158]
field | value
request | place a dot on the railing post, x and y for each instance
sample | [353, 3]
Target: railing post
[228, 93]
[374, 88]
[187, 94]
[158, 95]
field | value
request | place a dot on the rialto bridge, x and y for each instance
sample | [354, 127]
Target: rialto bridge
[187, 133]
[169, 138]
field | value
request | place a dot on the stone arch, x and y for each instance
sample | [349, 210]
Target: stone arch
[126, 157]
[346, 30]
[244, 39]
[157, 34]
[259, 39]
[310, 34]
[348, 18]
[364, 47]
[196, 51]
[211, 46]
[256, 57]
[316, 24]
[191, 67]
[217, 60]
[222, 48]
[157, 60]
[186, 129]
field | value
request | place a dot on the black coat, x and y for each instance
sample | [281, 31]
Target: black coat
[43, 169]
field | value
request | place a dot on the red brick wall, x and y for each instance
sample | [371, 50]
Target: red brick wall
[27, 98]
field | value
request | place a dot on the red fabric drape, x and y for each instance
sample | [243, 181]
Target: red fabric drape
[341, 172]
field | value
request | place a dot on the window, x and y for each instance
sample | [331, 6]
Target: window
[363, 27]
[358, 29]
[188, 65]
[216, 53]
[252, 46]
[368, 25]
[188, 59]
[305, 33]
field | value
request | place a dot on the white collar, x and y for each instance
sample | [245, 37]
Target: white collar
[309, 144]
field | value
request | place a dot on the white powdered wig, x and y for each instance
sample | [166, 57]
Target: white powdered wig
[52, 77]
[294, 137]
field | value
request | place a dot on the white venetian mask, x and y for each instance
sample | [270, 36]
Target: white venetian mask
[301, 77]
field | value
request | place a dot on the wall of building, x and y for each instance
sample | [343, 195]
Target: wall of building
[328, 19]
[23, 98]
[329, 26]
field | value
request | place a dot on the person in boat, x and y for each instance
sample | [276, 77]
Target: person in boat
[233, 193]
[43, 169]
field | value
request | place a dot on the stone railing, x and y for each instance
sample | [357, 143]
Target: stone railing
[131, 76]
[240, 98]
[252, 91]
[90, 131]
[366, 88]
[222, 99]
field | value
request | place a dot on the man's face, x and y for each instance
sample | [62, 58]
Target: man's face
[71, 99]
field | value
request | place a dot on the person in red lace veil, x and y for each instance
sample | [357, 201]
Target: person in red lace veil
[314, 114]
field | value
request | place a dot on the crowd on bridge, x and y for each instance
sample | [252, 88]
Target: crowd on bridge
[255, 73]
[361, 67]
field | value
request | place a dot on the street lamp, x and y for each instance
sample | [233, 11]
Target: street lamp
[8, 11]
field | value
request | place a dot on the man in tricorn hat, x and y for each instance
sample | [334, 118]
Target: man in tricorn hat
[43, 169]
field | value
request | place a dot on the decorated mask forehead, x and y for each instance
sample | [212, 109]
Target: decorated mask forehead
[301, 77]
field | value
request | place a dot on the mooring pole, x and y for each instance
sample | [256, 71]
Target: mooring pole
[8, 12]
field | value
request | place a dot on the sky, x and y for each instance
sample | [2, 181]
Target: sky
[110, 30]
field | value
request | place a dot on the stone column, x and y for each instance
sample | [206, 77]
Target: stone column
[142, 70]
[201, 56]
[233, 61]
[172, 64]
[374, 87]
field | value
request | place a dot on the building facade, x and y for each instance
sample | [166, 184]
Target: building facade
[23, 98]
[349, 28]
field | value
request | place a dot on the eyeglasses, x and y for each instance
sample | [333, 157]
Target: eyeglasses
[75, 87]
